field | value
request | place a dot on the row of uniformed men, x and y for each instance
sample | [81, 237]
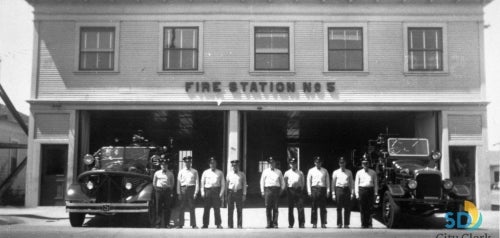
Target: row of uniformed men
[272, 184]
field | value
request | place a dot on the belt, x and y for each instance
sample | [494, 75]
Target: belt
[272, 187]
[342, 187]
[317, 187]
[367, 187]
[187, 186]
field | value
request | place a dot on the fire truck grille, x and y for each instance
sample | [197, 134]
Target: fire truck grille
[429, 185]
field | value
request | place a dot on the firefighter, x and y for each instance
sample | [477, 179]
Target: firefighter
[366, 189]
[271, 186]
[342, 192]
[318, 188]
[236, 193]
[295, 183]
[163, 182]
[212, 191]
[187, 189]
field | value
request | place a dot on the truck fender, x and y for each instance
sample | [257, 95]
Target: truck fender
[146, 194]
[396, 190]
[75, 193]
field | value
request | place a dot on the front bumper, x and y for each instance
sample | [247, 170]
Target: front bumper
[107, 208]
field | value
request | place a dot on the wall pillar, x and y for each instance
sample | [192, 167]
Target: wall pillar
[233, 137]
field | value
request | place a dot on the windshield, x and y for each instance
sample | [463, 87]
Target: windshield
[122, 158]
[408, 146]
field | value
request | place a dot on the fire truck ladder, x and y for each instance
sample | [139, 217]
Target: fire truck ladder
[10, 179]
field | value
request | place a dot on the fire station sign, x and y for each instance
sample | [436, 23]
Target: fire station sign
[259, 87]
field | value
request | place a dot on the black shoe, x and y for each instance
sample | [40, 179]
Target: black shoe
[179, 227]
[230, 227]
[203, 227]
[239, 227]
[194, 227]
[323, 226]
[290, 226]
[219, 227]
[302, 226]
[269, 227]
[314, 226]
[346, 226]
[339, 226]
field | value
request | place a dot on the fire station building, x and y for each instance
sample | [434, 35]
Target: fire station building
[249, 79]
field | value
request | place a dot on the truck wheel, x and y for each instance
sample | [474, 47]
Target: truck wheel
[390, 211]
[76, 219]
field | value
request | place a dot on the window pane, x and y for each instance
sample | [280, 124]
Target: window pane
[354, 39]
[189, 59]
[433, 60]
[168, 38]
[106, 40]
[89, 40]
[354, 60]
[336, 60]
[433, 39]
[88, 61]
[172, 59]
[271, 40]
[336, 39]
[271, 62]
[105, 61]
[416, 60]
[187, 38]
[415, 39]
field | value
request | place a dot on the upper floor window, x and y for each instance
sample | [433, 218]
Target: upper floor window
[345, 49]
[272, 48]
[425, 49]
[180, 48]
[97, 49]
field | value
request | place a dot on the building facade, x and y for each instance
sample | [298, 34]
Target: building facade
[250, 79]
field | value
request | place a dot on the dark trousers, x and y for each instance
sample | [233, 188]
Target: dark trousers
[232, 199]
[343, 199]
[295, 198]
[187, 200]
[271, 198]
[212, 199]
[318, 196]
[366, 198]
[163, 206]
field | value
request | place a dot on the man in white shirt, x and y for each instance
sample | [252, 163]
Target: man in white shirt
[163, 183]
[294, 183]
[236, 193]
[366, 189]
[271, 186]
[212, 191]
[318, 188]
[187, 189]
[342, 192]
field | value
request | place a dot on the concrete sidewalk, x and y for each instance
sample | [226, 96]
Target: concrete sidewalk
[252, 218]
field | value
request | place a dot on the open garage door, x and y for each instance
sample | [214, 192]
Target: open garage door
[326, 134]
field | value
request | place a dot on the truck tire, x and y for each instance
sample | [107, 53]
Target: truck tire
[76, 219]
[390, 211]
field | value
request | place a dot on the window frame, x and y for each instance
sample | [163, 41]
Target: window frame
[291, 46]
[161, 28]
[425, 25]
[78, 31]
[364, 29]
